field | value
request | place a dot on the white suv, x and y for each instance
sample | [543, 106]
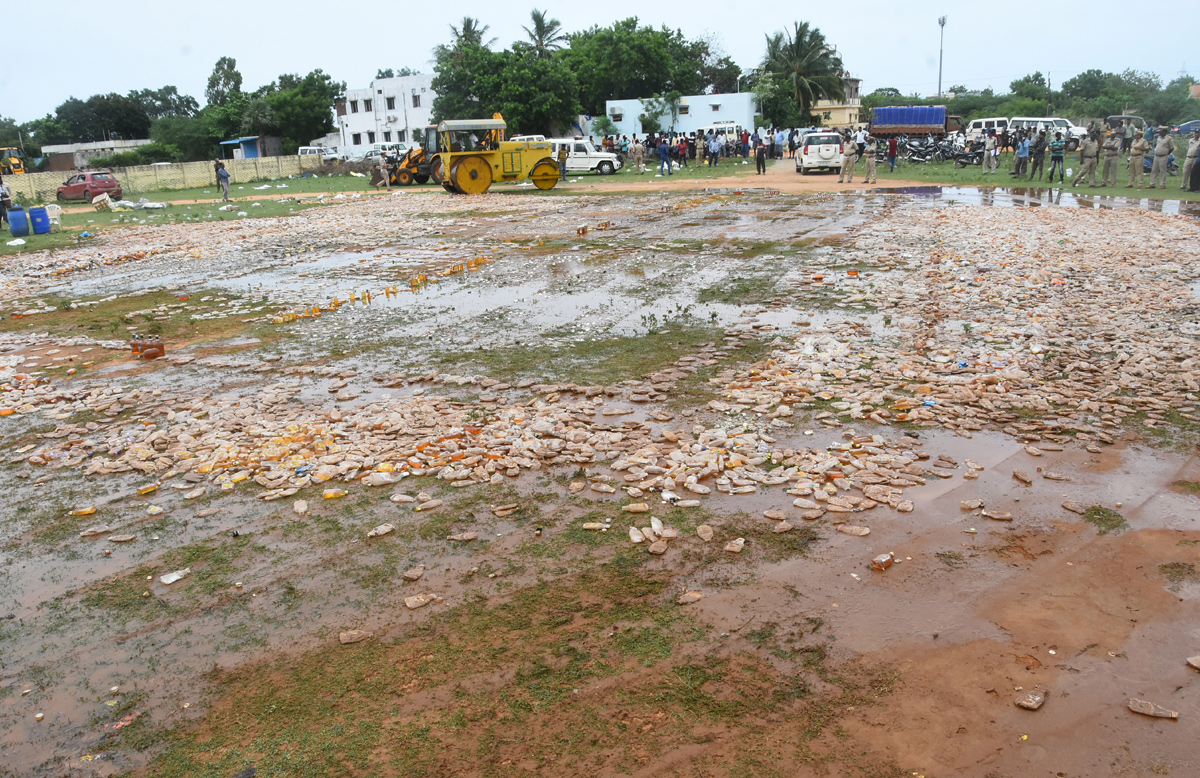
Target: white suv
[327, 154]
[820, 151]
[1072, 134]
[583, 157]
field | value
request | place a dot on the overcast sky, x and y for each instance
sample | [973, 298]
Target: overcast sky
[151, 44]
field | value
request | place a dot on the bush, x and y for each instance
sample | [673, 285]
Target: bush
[143, 155]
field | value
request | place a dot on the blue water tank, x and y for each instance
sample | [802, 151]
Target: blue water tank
[40, 220]
[18, 222]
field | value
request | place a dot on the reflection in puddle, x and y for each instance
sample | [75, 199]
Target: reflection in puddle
[1035, 196]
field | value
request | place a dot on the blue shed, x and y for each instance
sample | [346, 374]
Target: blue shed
[253, 147]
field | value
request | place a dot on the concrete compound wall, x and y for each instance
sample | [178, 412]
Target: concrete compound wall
[141, 179]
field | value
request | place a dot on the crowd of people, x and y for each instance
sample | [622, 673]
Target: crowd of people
[1101, 151]
[678, 150]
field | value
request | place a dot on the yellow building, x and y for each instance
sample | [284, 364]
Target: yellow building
[845, 113]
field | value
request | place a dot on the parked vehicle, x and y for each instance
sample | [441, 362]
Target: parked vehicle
[1187, 128]
[1072, 134]
[12, 162]
[1118, 120]
[1172, 165]
[897, 120]
[978, 128]
[819, 151]
[583, 157]
[85, 186]
[328, 155]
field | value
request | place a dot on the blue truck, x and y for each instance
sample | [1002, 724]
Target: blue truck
[892, 120]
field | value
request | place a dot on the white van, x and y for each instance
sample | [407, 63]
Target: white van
[327, 154]
[1074, 135]
[583, 157]
[978, 128]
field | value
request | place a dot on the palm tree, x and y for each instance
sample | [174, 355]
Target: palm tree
[806, 62]
[546, 36]
[470, 34]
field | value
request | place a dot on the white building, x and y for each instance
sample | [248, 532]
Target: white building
[385, 112]
[694, 112]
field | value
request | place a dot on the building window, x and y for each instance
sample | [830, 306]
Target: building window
[387, 136]
[827, 115]
[716, 106]
[618, 117]
[356, 138]
[391, 103]
[366, 105]
[400, 136]
[416, 101]
[370, 137]
[353, 106]
[683, 110]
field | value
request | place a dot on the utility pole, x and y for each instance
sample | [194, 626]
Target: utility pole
[941, 40]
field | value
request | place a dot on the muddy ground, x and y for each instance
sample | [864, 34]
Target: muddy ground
[552, 649]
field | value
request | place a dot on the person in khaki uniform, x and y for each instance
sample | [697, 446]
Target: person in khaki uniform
[1193, 151]
[1137, 153]
[869, 155]
[1112, 153]
[1162, 152]
[991, 153]
[638, 151]
[1089, 155]
[849, 159]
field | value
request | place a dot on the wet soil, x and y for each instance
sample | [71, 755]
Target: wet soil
[554, 650]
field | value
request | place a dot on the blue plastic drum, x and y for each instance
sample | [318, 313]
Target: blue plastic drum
[18, 222]
[40, 220]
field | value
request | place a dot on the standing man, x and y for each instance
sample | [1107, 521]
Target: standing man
[1193, 150]
[1022, 166]
[771, 138]
[893, 147]
[1127, 135]
[223, 180]
[639, 156]
[664, 157]
[1057, 149]
[849, 158]
[384, 174]
[1089, 155]
[5, 202]
[991, 153]
[714, 151]
[682, 148]
[1162, 152]
[760, 156]
[1137, 154]
[1037, 154]
[1112, 152]
[869, 151]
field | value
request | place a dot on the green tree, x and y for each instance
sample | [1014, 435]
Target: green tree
[534, 95]
[300, 108]
[1088, 85]
[102, 117]
[190, 137]
[165, 101]
[619, 62]
[602, 126]
[546, 36]
[653, 111]
[777, 105]
[225, 82]
[469, 33]
[1032, 86]
[805, 62]
[401, 73]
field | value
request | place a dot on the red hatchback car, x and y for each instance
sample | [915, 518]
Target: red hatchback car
[85, 186]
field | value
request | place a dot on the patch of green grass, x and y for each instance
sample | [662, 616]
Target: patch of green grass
[1106, 520]
[602, 361]
[1191, 487]
[1177, 572]
[951, 559]
[740, 290]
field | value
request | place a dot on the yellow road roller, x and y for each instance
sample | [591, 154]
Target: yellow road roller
[473, 153]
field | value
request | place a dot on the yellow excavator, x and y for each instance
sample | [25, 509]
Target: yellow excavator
[11, 162]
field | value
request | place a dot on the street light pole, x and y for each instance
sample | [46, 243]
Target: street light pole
[941, 39]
